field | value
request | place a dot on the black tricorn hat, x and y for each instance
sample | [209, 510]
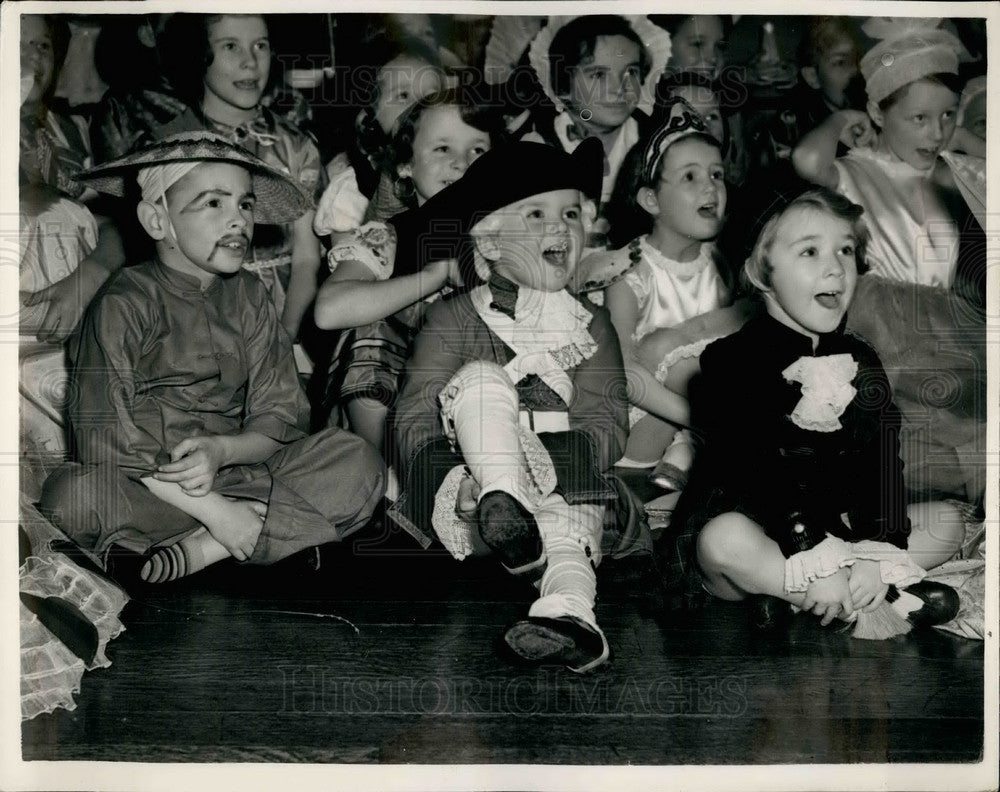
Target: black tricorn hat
[501, 176]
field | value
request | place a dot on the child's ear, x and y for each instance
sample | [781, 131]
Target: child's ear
[152, 220]
[646, 199]
[810, 76]
[874, 112]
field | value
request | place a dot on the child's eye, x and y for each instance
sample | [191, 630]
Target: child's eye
[948, 115]
[442, 149]
[263, 46]
[536, 214]
[572, 214]
[688, 176]
[717, 174]
[247, 204]
[847, 250]
[479, 150]
[213, 203]
[919, 118]
[809, 252]
[228, 46]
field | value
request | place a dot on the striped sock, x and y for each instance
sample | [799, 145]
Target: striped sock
[173, 562]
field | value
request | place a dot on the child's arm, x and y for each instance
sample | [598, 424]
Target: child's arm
[104, 379]
[68, 298]
[814, 156]
[306, 256]
[275, 404]
[643, 388]
[352, 296]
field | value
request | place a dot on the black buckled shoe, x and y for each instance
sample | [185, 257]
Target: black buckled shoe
[941, 603]
[509, 530]
[769, 614]
[566, 640]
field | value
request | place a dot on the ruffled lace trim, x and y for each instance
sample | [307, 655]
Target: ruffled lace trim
[675, 356]
[896, 566]
[452, 531]
[821, 561]
[548, 334]
[50, 672]
[826, 390]
[537, 483]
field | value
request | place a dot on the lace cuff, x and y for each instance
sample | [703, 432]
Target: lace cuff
[896, 566]
[821, 561]
[373, 245]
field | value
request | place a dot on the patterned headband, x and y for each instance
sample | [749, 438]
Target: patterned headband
[682, 120]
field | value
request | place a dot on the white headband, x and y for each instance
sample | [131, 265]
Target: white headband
[157, 179]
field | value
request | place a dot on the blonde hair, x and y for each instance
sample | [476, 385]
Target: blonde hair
[756, 274]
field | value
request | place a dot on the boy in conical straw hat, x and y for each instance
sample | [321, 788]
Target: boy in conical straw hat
[189, 420]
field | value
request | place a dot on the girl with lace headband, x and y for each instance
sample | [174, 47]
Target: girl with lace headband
[904, 166]
[797, 497]
[599, 72]
[671, 199]
[220, 65]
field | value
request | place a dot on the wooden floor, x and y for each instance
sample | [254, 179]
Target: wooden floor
[236, 664]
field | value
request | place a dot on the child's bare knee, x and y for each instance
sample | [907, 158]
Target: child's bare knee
[727, 542]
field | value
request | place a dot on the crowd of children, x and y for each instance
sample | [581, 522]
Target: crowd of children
[632, 253]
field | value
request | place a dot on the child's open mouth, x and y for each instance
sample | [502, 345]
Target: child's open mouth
[708, 211]
[234, 243]
[556, 254]
[829, 300]
[246, 85]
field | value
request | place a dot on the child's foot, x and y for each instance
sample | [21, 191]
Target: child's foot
[566, 640]
[668, 476]
[509, 530]
[925, 604]
[237, 524]
[191, 554]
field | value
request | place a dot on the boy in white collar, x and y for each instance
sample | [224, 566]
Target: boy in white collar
[513, 403]
[189, 420]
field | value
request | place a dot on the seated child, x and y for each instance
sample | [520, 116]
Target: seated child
[189, 418]
[798, 492]
[828, 63]
[919, 196]
[599, 72]
[520, 384]
[699, 45]
[674, 197]
[220, 65]
[382, 295]
[394, 74]
[66, 252]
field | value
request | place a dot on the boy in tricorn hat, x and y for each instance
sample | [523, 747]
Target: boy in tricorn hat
[189, 419]
[513, 405]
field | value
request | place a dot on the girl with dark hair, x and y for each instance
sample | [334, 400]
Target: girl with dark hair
[220, 65]
[383, 298]
[598, 72]
[671, 195]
